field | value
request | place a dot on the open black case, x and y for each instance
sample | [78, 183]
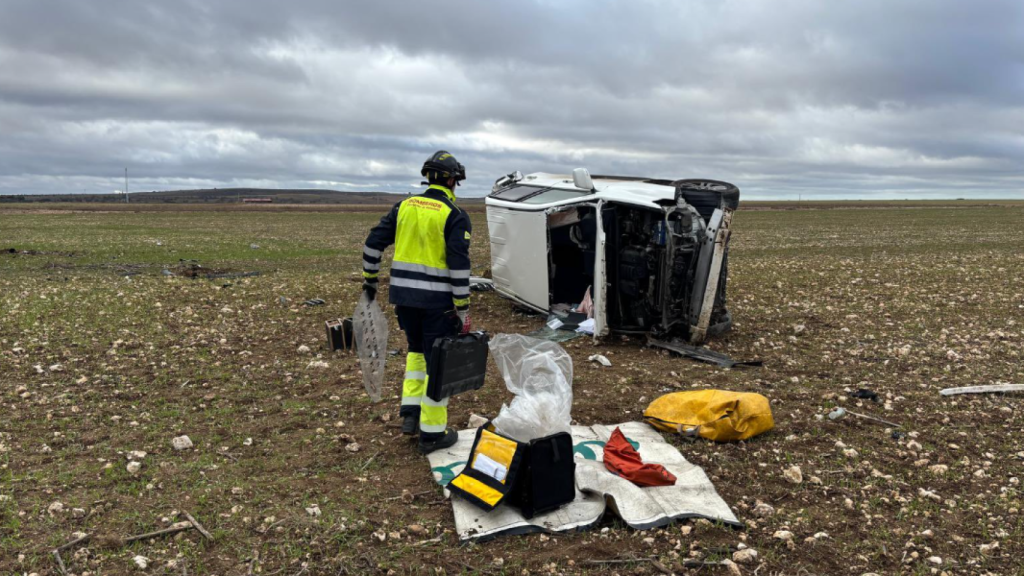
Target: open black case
[536, 477]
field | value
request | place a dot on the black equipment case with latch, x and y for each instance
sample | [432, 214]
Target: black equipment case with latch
[339, 334]
[457, 364]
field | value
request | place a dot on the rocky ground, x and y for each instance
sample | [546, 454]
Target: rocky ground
[111, 353]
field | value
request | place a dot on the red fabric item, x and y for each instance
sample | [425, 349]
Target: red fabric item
[467, 325]
[623, 460]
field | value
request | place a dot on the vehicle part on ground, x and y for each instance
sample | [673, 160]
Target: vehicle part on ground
[875, 419]
[864, 394]
[370, 328]
[702, 354]
[983, 389]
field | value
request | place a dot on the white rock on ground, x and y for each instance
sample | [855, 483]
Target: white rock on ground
[603, 361]
[783, 535]
[141, 562]
[182, 442]
[476, 421]
[745, 556]
[303, 349]
[134, 467]
[731, 566]
[764, 510]
[313, 510]
[794, 475]
[55, 508]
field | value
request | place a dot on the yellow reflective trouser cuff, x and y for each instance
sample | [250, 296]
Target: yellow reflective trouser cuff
[433, 415]
[370, 275]
[460, 302]
[414, 387]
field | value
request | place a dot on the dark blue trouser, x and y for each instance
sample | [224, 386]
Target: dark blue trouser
[423, 326]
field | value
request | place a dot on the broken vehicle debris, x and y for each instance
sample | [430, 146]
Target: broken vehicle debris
[982, 389]
[653, 252]
[702, 354]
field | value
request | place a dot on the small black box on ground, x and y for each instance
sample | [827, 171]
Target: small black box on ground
[547, 476]
[339, 335]
[457, 364]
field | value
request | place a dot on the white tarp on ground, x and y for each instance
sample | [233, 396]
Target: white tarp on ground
[693, 495]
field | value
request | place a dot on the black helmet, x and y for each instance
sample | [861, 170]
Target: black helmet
[442, 166]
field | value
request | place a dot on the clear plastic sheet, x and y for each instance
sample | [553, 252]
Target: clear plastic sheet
[539, 373]
[370, 330]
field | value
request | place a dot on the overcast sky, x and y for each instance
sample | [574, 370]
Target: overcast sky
[821, 98]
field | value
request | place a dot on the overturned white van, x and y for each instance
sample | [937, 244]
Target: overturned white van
[654, 253]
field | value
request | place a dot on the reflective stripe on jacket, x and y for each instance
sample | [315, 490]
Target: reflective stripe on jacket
[431, 237]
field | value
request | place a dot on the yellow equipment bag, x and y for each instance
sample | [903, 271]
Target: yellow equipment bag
[718, 415]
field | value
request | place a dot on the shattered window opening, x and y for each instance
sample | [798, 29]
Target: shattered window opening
[554, 195]
[516, 193]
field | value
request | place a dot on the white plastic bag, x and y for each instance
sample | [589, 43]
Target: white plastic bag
[539, 373]
[370, 332]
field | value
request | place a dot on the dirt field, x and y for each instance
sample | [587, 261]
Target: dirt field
[103, 354]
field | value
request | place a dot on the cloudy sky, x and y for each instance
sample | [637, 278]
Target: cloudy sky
[817, 98]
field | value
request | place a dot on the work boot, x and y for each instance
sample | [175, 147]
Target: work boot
[410, 425]
[447, 441]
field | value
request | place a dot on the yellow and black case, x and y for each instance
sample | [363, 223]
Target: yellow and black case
[535, 477]
[493, 466]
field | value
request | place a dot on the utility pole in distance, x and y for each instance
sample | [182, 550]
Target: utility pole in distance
[126, 186]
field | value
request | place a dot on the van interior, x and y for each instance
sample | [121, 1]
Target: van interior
[572, 235]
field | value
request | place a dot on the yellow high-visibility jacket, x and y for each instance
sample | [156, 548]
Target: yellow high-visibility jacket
[431, 237]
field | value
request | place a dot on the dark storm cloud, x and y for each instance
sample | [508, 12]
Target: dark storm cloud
[784, 98]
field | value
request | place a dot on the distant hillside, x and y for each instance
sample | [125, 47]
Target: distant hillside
[221, 196]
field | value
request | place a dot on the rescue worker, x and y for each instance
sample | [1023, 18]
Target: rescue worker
[429, 286]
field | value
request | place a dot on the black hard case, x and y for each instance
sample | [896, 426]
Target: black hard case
[457, 364]
[547, 476]
[339, 334]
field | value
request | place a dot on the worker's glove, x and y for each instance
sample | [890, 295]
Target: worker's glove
[454, 320]
[370, 289]
[467, 324]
